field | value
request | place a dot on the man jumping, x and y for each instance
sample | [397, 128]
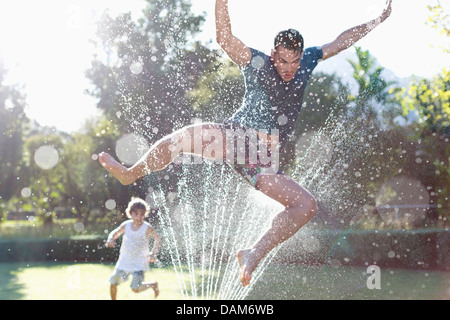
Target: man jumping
[275, 87]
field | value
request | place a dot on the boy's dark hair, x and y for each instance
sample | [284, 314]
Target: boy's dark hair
[290, 39]
[137, 204]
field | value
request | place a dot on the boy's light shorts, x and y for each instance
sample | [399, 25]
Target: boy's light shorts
[120, 276]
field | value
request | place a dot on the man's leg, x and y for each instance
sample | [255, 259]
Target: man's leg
[300, 207]
[201, 140]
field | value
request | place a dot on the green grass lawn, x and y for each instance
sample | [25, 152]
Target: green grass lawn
[58, 281]
[349, 283]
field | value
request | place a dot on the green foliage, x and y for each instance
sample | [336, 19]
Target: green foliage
[430, 100]
[325, 95]
[47, 186]
[375, 102]
[439, 19]
[149, 67]
[12, 126]
[218, 92]
[75, 186]
[87, 184]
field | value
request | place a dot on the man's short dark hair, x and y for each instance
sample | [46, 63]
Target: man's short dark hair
[290, 39]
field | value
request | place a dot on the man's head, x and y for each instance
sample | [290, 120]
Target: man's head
[287, 52]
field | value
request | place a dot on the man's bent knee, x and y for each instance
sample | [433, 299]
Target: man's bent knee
[304, 210]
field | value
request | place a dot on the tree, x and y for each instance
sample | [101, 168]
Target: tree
[218, 93]
[145, 70]
[43, 175]
[13, 122]
[426, 107]
[439, 19]
[325, 96]
[430, 100]
[148, 69]
[375, 103]
[88, 186]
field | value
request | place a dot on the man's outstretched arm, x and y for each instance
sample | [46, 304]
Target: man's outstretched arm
[353, 35]
[238, 52]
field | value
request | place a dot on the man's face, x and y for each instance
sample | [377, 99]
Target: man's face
[286, 62]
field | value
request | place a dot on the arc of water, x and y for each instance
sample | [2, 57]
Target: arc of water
[169, 235]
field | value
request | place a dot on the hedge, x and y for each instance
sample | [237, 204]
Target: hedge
[418, 249]
[73, 250]
[409, 249]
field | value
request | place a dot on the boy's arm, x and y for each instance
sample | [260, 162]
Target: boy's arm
[353, 35]
[111, 242]
[151, 232]
[238, 52]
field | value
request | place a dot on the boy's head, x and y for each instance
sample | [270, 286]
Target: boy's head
[287, 52]
[136, 205]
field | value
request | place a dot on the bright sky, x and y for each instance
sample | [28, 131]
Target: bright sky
[45, 44]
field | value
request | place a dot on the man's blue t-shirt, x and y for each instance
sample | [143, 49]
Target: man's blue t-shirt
[269, 101]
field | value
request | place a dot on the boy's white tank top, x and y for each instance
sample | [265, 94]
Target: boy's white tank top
[134, 251]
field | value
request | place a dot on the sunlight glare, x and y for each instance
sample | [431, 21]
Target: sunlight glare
[46, 47]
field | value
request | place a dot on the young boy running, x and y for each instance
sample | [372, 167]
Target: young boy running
[134, 255]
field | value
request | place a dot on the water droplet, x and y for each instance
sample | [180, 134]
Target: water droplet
[78, 227]
[26, 192]
[110, 204]
[130, 148]
[282, 120]
[136, 68]
[257, 62]
[46, 157]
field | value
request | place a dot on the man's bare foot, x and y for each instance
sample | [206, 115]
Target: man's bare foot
[155, 288]
[245, 270]
[115, 168]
